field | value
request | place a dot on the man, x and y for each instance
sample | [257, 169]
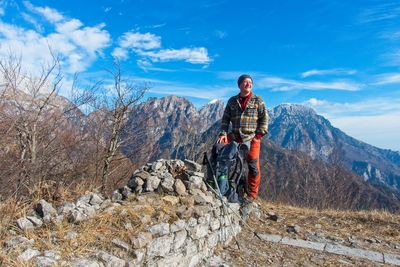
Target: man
[248, 115]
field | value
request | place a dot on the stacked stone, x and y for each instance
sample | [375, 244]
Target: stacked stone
[202, 223]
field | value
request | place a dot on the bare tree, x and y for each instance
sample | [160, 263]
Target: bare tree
[124, 95]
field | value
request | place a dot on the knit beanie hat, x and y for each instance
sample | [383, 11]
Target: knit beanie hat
[242, 77]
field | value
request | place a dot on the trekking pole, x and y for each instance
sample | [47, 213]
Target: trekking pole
[224, 204]
[221, 198]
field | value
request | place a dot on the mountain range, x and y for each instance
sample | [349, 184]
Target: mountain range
[301, 147]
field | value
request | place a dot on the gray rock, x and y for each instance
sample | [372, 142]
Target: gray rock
[19, 241]
[303, 243]
[86, 263]
[354, 252]
[35, 221]
[25, 224]
[192, 222]
[116, 196]
[198, 231]
[43, 208]
[141, 240]
[152, 183]
[392, 258]
[140, 255]
[177, 226]
[270, 238]
[111, 260]
[52, 254]
[215, 224]
[168, 183]
[136, 183]
[200, 211]
[66, 208]
[156, 165]
[159, 229]
[29, 254]
[45, 262]
[179, 187]
[84, 200]
[192, 166]
[160, 246]
[96, 199]
[212, 239]
[121, 244]
[179, 239]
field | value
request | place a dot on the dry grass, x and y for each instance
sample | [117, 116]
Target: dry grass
[92, 235]
[356, 225]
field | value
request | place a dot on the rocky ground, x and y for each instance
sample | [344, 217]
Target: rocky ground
[166, 203]
[374, 231]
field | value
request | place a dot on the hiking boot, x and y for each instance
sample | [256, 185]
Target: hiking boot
[246, 207]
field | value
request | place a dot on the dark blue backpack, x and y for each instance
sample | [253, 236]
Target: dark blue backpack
[227, 163]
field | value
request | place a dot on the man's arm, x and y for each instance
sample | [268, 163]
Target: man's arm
[226, 119]
[262, 121]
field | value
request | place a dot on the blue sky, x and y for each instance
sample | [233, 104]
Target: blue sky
[340, 57]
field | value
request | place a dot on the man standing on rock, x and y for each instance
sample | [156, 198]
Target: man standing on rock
[248, 115]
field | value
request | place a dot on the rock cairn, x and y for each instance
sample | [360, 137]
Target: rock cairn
[202, 223]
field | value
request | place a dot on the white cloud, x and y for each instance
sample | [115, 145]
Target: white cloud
[107, 9]
[50, 14]
[77, 45]
[148, 47]
[316, 72]
[388, 78]
[2, 11]
[376, 106]
[198, 55]
[281, 84]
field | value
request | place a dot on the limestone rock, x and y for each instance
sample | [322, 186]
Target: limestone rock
[180, 188]
[192, 166]
[29, 254]
[24, 224]
[111, 260]
[160, 246]
[43, 208]
[141, 240]
[152, 183]
[159, 229]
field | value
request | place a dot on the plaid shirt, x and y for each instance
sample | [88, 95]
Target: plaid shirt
[248, 122]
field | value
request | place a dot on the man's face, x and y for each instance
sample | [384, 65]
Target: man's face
[246, 86]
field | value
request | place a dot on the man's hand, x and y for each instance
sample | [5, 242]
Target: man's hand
[223, 139]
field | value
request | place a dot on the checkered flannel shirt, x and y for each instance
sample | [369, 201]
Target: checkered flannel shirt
[248, 122]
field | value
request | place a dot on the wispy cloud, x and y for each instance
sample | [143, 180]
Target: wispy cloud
[107, 9]
[316, 72]
[149, 49]
[281, 84]
[77, 44]
[388, 78]
[381, 12]
[376, 106]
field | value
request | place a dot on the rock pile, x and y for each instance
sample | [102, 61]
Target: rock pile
[200, 226]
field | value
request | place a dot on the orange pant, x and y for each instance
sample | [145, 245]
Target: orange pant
[253, 161]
